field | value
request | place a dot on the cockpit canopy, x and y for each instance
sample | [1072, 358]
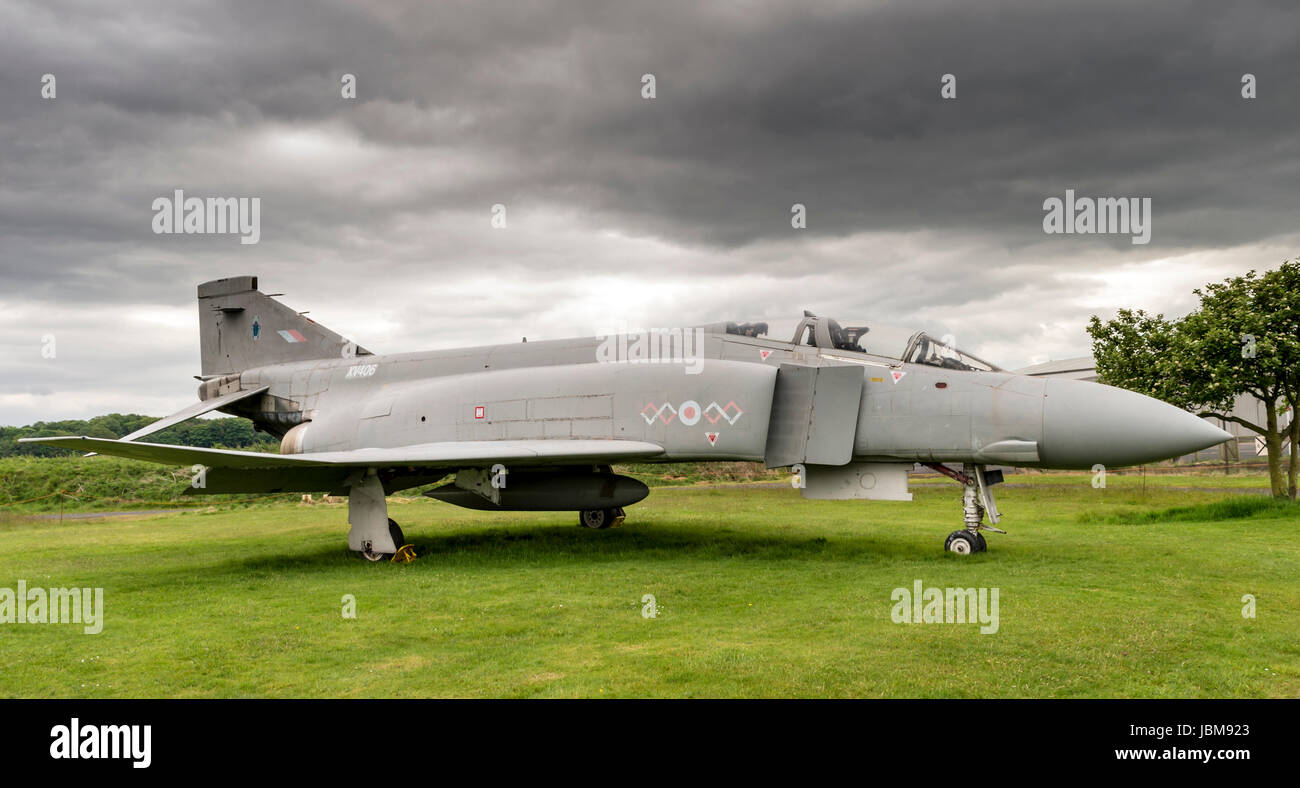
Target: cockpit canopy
[925, 349]
[878, 340]
[917, 348]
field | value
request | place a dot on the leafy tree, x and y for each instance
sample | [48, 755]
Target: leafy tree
[230, 433]
[1244, 338]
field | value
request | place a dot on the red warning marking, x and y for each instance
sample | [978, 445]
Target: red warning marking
[713, 438]
[897, 374]
[479, 411]
[764, 354]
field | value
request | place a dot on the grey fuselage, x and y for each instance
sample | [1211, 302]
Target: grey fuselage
[717, 408]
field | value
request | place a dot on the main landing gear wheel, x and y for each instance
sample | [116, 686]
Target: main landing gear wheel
[964, 542]
[601, 519]
[395, 531]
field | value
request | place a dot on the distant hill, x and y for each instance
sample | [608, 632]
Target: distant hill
[229, 433]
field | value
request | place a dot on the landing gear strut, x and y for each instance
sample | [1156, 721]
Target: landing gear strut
[976, 500]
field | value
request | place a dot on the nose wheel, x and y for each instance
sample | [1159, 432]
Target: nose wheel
[964, 542]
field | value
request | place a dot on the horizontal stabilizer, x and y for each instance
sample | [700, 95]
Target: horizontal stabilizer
[449, 454]
[197, 409]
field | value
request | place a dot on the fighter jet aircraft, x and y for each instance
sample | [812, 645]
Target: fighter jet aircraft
[536, 426]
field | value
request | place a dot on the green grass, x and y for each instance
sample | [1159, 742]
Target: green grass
[46, 484]
[1226, 509]
[1102, 593]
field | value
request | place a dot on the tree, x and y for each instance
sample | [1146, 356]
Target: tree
[1244, 338]
[234, 433]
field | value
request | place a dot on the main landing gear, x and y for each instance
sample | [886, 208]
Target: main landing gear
[374, 535]
[976, 499]
[601, 519]
[395, 533]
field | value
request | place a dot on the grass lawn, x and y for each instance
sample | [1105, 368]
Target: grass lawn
[1112, 593]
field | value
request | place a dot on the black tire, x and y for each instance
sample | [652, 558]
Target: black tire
[600, 519]
[596, 519]
[395, 531]
[964, 542]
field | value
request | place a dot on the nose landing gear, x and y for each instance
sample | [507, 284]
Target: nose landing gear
[977, 500]
[964, 542]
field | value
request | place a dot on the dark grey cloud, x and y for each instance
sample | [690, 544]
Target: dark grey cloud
[376, 210]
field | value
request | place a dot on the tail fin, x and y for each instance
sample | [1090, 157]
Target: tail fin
[241, 328]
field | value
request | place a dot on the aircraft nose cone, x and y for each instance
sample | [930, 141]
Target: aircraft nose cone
[1086, 424]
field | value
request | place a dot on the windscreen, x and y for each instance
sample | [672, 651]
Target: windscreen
[925, 349]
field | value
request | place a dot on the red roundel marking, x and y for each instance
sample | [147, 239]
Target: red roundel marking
[688, 413]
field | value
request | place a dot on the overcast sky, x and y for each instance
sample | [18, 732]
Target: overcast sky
[376, 211]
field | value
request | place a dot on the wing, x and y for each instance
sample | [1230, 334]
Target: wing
[400, 468]
[447, 454]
